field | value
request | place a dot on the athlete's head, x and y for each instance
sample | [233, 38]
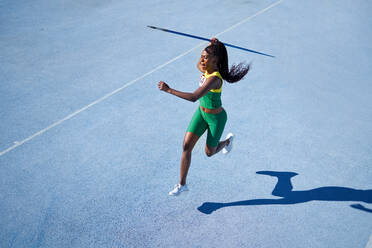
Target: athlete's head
[209, 61]
[217, 50]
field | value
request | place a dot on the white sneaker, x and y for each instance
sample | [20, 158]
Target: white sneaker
[178, 188]
[228, 148]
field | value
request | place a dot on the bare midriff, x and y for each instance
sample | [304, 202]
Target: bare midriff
[212, 111]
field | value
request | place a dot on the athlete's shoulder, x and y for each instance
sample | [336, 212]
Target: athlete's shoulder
[213, 74]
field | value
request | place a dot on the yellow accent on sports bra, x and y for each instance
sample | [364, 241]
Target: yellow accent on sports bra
[217, 74]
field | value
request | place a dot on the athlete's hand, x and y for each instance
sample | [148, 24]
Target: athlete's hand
[214, 40]
[163, 86]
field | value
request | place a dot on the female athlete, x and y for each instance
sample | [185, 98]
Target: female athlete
[210, 115]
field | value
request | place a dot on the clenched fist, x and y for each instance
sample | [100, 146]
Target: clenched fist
[163, 86]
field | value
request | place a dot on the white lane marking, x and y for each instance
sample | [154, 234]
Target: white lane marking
[369, 244]
[249, 18]
[19, 143]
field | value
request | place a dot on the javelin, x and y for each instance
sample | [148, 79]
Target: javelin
[202, 38]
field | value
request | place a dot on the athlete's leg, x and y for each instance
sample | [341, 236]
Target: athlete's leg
[196, 129]
[188, 144]
[210, 150]
[216, 125]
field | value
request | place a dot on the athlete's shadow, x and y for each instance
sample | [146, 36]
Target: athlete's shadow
[284, 189]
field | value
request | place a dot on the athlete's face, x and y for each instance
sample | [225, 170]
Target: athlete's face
[208, 62]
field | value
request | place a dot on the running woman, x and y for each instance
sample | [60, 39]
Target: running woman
[210, 115]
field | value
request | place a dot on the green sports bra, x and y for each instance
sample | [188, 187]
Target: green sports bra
[212, 99]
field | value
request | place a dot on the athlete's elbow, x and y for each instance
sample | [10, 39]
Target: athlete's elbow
[193, 98]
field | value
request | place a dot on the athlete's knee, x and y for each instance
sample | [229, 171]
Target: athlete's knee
[187, 147]
[209, 152]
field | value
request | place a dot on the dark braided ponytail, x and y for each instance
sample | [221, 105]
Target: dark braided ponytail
[236, 73]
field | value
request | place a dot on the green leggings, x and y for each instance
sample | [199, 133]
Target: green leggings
[215, 123]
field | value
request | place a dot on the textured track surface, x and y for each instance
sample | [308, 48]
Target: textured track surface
[87, 170]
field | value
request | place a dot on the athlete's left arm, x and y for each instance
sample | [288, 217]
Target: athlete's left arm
[210, 83]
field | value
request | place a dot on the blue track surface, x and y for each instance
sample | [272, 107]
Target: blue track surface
[90, 147]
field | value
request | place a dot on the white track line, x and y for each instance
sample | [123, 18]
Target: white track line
[19, 143]
[369, 244]
[249, 18]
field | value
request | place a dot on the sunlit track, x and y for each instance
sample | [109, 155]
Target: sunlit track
[59, 122]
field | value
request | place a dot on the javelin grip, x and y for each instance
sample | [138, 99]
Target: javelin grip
[205, 39]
